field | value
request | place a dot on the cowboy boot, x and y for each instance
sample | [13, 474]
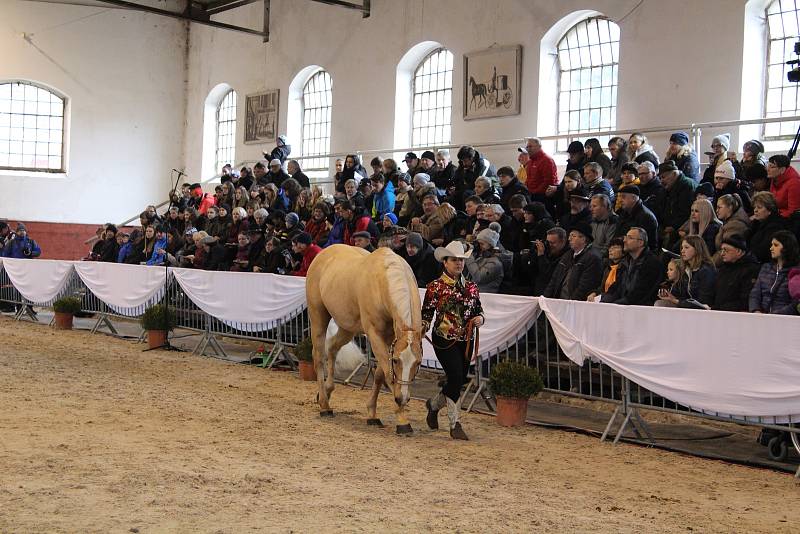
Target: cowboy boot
[456, 432]
[434, 404]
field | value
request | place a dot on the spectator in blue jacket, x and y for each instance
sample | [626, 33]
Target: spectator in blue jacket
[382, 196]
[770, 294]
[21, 246]
[160, 248]
[336, 235]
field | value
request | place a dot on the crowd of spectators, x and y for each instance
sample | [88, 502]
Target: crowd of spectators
[620, 226]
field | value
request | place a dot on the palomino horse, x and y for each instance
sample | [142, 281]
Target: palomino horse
[375, 294]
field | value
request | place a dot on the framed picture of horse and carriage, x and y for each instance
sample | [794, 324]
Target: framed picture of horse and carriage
[492, 82]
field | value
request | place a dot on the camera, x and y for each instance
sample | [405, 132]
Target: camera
[794, 74]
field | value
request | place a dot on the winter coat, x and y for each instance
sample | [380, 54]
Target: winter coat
[205, 202]
[444, 179]
[575, 276]
[22, 248]
[272, 262]
[359, 224]
[600, 187]
[486, 270]
[158, 258]
[308, 256]
[336, 233]
[786, 189]
[770, 293]
[598, 156]
[678, 203]
[536, 230]
[603, 232]
[123, 252]
[490, 196]
[276, 178]
[737, 224]
[696, 285]
[110, 250]
[639, 217]
[614, 175]
[464, 178]
[545, 265]
[214, 259]
[243, 255]
[689, 165]
[424, 265]
[383, 202]
[576, 165]
[319, 231]
[280, 153]
[734, 283]
[540, 172]
[761, 236]
[432, 226]
[652, 195]
[646, 153]
[514, 187]
[570, 219]
[639, 283]
[302, 179]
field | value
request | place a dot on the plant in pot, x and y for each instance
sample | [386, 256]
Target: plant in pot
[158, 321]
[513, 384]
[305, 356]
[66, 308]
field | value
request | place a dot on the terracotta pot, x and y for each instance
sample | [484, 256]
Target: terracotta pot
[63, 321]
[156, 338]
[307, 371]
[511, 411]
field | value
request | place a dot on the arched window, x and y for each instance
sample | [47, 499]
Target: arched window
[588, 62]
[781, 94]
[432, 90]
[316, 111]
[226, 131]
[31, 128]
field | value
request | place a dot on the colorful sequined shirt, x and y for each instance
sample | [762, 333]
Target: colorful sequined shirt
[454, 302]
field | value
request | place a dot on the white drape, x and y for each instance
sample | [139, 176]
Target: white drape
[725, 362]
[506, 317]
[125, 288]
[39, 281]
[243, 300]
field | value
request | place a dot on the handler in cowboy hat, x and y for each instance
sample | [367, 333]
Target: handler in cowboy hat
[456, 303]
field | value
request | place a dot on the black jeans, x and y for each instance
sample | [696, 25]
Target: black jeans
[454, 363]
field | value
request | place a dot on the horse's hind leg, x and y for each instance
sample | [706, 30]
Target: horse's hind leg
[338, 341]
[319, 328]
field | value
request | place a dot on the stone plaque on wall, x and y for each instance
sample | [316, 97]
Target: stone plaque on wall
[492, 82]
[261, 117]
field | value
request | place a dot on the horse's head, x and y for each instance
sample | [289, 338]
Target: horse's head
[406, 357]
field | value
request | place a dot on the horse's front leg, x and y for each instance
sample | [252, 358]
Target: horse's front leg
[372, 404]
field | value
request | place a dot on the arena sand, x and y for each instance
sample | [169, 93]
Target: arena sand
[98, 436]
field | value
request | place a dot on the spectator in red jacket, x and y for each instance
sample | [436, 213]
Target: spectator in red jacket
[202, 200]
[355, 222]
[785, 184]
[540, 172]
[302, 245]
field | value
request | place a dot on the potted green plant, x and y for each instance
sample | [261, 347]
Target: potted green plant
[513, 384]
[66, 308]
[158, 321]
[304, 352]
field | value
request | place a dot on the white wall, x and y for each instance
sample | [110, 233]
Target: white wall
[680, 62]
[124, 75]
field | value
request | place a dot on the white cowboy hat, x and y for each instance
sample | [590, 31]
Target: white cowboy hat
[454, 249]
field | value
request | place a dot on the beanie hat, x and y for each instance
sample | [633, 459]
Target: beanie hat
[414, 239]
[21, 226]
[725, 170]
[584, 228]
[755, 145]
[392, 217]
[679, 138]
[410, 155]
[364, 234]
[226, 207]
[735, 241]
[490, 235]
[292, 218]
[632, 189]
[575, 147]
[667, 166]
[723, 139]
[303, 238]
[282, 139]
[428, 155]
[275, 161]
[422, 178]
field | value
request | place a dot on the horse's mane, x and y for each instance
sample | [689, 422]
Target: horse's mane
[398, 286]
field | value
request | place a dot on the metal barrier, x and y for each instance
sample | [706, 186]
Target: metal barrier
[535, 347]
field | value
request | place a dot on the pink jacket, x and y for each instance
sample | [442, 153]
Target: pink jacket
[787, 192]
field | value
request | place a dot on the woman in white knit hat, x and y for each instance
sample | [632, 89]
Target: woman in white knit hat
[484, 266]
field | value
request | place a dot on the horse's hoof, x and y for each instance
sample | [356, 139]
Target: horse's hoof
[375, 422]
[326, 413]
[404, 430]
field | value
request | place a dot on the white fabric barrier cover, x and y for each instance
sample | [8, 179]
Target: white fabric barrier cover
[506, 317]
[243, 300]
[39, 281]
[711, 361]
[122, 286]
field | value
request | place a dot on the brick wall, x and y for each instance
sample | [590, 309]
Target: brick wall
[60, 241]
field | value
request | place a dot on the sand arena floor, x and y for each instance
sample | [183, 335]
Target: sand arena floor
[97, 436]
